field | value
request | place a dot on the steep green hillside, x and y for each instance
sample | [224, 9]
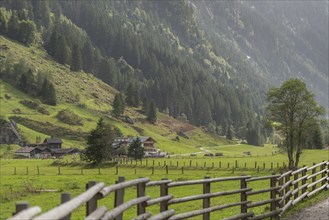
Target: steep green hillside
[95, 99]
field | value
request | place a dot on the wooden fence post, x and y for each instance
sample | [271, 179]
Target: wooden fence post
[314, 178]
[296, 185]
[263, 166]
[20, 206]
[304, 180]
[206, 201]
[64, 198]
[14, 170]
[163, 192]
[255, 164]
[190, 163]
[116, 170]
[220, 164]
[323, 167]
[59, 170]
[182, 170]
[273, 194]
[38, 170]
[281, 182]
[287, 179]
[91, 205]
[140, 193]
[236, 163]
[166, 169]
[243, 196]
[27, 170]
[119, 196]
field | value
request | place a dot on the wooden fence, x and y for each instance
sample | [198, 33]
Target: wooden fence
[285, 190]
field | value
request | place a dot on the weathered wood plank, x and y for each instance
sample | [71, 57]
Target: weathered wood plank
[263, 190]
[68, 207]
[158, 182]
[121, 208]
[163, 215]
[157, 200]
[299, 170]
[298, 180]
[207, 210]
[284, 174]
[299, 188]
[260, 203]
[316, 165]
[286, 185]
[108, 189]
[317, 190]
[26, 213]
[266, 215]
[316, 182]
[315, 174]
[262, 178]
[143, 216]
[208, 195]
[297, 200]
[240, 216]
[193, 182]
[97, 214]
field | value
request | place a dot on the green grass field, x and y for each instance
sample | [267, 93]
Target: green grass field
[27, 183]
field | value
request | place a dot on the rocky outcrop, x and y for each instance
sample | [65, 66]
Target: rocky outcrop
[8, 132]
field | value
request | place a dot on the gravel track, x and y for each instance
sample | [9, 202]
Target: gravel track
[319, 211]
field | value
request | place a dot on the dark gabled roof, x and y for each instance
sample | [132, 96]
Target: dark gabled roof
[53, 141]
[65, 150]
[25, 150]
[143, 139]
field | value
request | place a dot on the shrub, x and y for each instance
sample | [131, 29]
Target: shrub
[69, 117]
[35, 105]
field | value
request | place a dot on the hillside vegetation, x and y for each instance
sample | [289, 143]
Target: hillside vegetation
[95, 99]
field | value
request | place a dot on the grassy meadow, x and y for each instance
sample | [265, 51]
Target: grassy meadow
[20, 180]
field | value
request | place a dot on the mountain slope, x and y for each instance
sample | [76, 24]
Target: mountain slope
[95, 99]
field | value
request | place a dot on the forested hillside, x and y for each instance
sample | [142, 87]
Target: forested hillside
[208, 62]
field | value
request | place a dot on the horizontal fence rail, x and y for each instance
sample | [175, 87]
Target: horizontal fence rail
[284, 190]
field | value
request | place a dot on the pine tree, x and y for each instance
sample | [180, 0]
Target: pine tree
[118, 105]
[48, 93]
[13, 27]
[152, 113]
[88, 57]
[62, 51]
[76, 64]
[99, 143]
[27, 32]
[136, 150]
[130, 94]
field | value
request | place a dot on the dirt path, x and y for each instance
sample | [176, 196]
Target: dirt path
[318, 211]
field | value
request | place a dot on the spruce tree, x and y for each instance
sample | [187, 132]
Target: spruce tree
[62, 51]
[152, 113]
[136, 150]
[118, 105]
[99, 143]
[76, 64]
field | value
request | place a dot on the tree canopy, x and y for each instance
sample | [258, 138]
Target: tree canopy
[293, 108]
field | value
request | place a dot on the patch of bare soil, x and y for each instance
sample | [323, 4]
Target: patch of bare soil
[319, 211]
[176, 125]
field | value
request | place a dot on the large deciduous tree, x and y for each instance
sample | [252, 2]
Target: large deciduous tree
[293, 108]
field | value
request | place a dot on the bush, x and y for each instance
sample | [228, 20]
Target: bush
[69, 117]
[35, 105]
